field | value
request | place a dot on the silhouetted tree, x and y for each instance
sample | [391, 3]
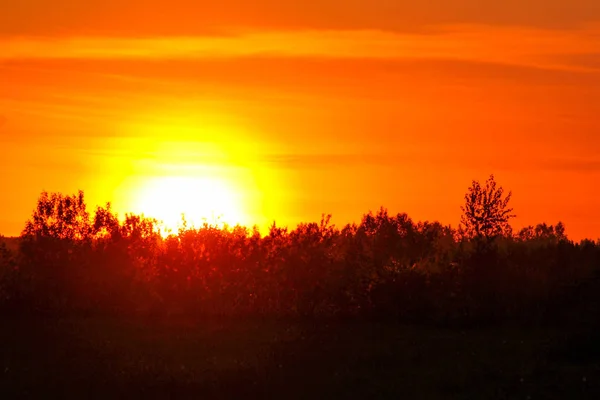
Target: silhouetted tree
[486, 213]
[55, 247]
[543, 234]
[60, 217]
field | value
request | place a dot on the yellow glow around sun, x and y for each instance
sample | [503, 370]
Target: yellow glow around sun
[208, 167]
[199, 199]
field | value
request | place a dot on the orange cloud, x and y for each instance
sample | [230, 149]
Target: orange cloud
[531, 47]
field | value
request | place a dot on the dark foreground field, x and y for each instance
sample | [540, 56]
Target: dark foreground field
[101, 358]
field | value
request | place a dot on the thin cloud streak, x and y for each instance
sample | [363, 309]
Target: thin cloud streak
[470, 42]
[436, 159]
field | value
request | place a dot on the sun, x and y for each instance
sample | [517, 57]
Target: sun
[198, 199]
[208, 167]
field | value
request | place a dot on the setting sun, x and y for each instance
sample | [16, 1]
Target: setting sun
[202, 167]
[197, 199]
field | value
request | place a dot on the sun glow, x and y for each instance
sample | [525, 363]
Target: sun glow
[205, 168]
[197, 199]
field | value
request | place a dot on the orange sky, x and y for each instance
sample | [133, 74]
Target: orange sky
[305, 107]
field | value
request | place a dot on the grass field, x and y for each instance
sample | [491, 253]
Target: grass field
[107, 358]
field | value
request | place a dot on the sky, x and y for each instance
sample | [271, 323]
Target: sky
[284, 110]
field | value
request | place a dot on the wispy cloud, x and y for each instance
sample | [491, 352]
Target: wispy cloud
[434, 159]
[471, 42]
[582, 60]
[573, 165]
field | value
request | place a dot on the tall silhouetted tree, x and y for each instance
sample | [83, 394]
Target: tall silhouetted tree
[60, 217]
[486, 213]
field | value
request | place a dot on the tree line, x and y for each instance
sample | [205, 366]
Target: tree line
[69, 261]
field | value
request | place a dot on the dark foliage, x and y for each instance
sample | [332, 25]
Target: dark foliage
[69, 262]
[486, 214]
